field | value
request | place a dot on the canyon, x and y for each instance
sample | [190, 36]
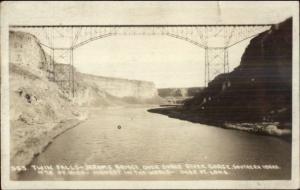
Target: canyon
[42, 107]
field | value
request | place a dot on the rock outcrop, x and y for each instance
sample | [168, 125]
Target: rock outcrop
[38, 109]
[26, 52]
[259, 89]
[255, 97]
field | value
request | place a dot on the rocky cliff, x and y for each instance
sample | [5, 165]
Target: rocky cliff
[122, 88]
[260, 88]
[256, 96]
[26, 52]
[38, 109]
[92, 90]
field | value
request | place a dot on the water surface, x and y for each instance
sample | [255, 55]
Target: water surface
[145, 138]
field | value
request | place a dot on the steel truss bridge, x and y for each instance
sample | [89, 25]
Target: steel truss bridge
[61, 41]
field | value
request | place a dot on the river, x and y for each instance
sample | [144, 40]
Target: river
[134, 136]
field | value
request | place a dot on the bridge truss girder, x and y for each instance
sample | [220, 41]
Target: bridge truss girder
[61, 41]
[216, 62]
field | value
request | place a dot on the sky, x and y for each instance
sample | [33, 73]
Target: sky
[166, 61]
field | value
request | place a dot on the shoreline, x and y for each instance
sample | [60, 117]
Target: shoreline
[257, 128]
[267, 128]
[26, 154]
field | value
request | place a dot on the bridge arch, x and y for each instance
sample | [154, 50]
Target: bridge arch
[111, 34]
[216, 56]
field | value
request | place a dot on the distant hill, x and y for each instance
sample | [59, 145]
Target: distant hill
[179, 92]
[177, 96]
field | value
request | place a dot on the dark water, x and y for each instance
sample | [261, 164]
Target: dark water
[131, 135]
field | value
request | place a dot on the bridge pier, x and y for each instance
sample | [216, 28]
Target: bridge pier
[216, 62]
[62, 60]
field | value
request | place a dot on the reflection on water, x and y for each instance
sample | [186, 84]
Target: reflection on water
[131, 135]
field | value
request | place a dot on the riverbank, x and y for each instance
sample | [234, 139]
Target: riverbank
[26, 145]
[260, 128]
[39, 112]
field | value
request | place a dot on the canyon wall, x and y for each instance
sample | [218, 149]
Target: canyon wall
[39, 110]
[259, 89]
[41, 103]
[26, 52]
[88, 88]
[122, 88]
